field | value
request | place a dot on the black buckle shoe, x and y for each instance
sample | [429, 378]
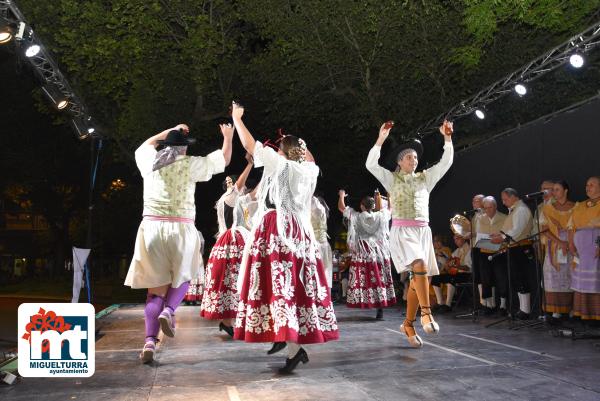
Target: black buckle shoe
[522, 315]
[290, 364]
[379, 315]
[277, 346]
[226, 329]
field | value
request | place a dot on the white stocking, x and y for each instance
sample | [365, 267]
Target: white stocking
[450, 291]
[438, 295]
[293, 349]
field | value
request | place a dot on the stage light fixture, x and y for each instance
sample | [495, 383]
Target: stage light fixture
[91, 130]
[55, 96]
[576, 60]
[521, 89]
[479, 114]
[5, 36]
[7, 31]
[32, 50]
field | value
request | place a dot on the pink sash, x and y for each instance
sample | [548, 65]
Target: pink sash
[171, 219]
[409, 223]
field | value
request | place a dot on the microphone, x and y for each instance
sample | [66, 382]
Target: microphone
[492, 257]
[472, 211]
[537, 194]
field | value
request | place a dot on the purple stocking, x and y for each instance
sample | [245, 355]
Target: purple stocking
[175, 296]
[154, 305]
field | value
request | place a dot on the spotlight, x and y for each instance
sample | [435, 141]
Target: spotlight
[7, 31]
[91, 130]
[521, 89]
[576, 60]
[55, 96]
[32, 50]
[5, 37]
[480, 114]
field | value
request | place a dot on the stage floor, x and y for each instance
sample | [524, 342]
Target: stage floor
[371, 361]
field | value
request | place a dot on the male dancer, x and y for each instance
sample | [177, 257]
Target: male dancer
[167, 247]
[411, 242]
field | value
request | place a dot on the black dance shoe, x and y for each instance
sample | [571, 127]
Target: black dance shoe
[278, 346]
[226, 329]
[522, 315]
[290, 364]
[379, 315]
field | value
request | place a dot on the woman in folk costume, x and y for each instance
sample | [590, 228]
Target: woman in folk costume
[319, 213]
[283, 289]
[584, 243]
[370, 284]
[167, 247]
[220, 298]
[554, 219]
[194, 292]
[410, 238]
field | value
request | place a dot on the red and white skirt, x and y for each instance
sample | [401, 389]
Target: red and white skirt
[194, 292]
[284, 294]
[220, 298]
[370, 284]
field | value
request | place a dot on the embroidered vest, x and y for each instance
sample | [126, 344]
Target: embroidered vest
[410, 197]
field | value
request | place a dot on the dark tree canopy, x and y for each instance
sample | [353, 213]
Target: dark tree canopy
[329, 71]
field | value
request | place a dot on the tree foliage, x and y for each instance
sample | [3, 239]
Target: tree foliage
[329, 71]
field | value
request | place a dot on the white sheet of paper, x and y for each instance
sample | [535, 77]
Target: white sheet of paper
[483, 241]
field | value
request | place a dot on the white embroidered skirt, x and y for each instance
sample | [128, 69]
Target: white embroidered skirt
[165, 253]
[408, 244]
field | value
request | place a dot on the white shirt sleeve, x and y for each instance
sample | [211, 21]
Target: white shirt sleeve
[436, 172]
[519, 220]
[266, 157]
[204, 167]
[385, 177]
[348, 211]
[144, 158]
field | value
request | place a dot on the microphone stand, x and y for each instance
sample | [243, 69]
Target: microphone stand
[473, 314]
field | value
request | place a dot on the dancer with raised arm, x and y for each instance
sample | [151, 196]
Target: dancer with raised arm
[370, 284]
[167, 247]
[220, 298]
[411, 243]
[284, 295]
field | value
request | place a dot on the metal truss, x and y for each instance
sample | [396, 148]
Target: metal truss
[46, 68]
[551, 60]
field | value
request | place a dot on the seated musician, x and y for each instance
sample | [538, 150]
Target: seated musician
[515, 232]
[442, 251]
[457, 269]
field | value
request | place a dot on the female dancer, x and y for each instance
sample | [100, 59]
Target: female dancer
[410, 239]
[220, 298]
[318, 217]
[371, 284]
[284, 294]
